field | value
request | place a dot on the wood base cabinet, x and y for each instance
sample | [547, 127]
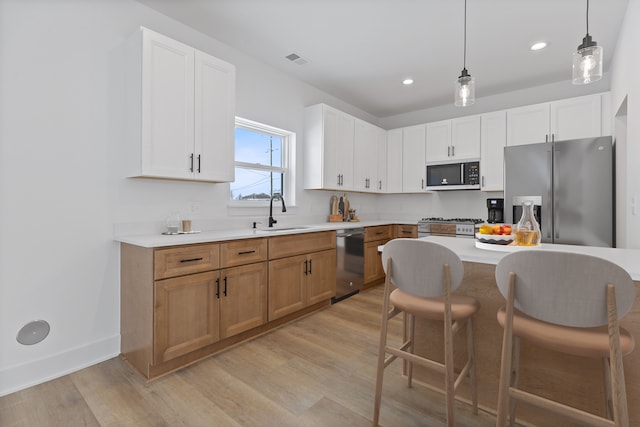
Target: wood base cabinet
[186, 315]
[243, 298]
[178, 303]
[374, 237]
[298, 281]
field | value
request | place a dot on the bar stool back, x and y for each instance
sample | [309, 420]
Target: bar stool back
[560, 301]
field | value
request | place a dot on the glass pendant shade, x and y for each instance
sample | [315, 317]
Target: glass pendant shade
[587, 62]
[465, 90]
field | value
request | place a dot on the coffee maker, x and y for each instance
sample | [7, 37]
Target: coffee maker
[495, 209]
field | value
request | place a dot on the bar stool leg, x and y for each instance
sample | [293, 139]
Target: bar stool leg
[412, 330]
[515, 376]
[472, 370]
[382, 348]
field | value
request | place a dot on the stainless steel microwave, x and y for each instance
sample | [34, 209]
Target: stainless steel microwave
[454, 176]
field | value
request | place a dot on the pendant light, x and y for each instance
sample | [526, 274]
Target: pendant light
[465, 85]
[587, 60]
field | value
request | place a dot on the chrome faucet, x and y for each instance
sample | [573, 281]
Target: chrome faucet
[284, 208]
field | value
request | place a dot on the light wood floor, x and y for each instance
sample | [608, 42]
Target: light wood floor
[317, 371]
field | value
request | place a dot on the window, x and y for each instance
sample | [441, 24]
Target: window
[262, 162]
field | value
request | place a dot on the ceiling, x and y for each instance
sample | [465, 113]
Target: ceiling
[361, 50]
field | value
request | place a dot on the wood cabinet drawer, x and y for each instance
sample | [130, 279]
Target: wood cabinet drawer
[381, 232]
[296, 244]
[178, 261]
[240, 252]
[406, 231]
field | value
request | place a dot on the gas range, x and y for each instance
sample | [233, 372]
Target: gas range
[454, 227]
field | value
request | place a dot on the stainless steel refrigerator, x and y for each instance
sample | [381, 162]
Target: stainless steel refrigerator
[571, 184]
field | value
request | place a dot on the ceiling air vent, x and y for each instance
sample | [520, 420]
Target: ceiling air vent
[294, 57]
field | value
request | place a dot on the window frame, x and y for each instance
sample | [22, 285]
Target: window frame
[287, 168]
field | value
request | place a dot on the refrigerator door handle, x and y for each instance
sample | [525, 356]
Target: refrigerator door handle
[549, 225]
[556, 202]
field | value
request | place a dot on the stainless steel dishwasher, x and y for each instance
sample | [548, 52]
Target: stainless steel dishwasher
[350, 263]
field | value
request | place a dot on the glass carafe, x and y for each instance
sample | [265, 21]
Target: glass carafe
[527, 229]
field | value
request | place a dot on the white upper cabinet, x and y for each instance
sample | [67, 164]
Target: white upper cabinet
[365, 157]
[571, 118]
[438, 146]
[456, 139]
[413, 159]
[394, 160]
[576, 117]
[493, 139]
[181, 111]
[465, 138]
[329, 148]
[382, 180]
[214, 119]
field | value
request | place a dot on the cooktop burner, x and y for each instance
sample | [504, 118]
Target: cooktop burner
[453, 220]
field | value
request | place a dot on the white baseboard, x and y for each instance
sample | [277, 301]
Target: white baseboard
[35, 372]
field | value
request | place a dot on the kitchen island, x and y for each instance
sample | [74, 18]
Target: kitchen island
[574, 380]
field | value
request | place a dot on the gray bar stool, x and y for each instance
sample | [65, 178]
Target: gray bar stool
[424, 274]
[569, 303]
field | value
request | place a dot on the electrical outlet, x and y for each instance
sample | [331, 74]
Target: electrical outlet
[194, 207]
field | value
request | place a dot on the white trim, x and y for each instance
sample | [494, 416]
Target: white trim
[288, 160]
[28, 374]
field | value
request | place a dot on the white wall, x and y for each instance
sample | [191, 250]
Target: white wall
[625, 85]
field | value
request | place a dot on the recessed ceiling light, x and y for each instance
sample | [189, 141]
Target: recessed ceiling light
[538, 45]
[407, 82]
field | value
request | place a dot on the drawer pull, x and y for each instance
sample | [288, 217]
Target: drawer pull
[191, 259]
[225, 286]
[379, 232]
[247, 252]
[306, 267]
[406, 232]
[218, 288]
[310, 261]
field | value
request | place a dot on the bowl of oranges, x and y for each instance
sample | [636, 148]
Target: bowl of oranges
[497, 234]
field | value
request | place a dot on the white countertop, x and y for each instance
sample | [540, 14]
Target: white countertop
[629, 259]
[161, 240]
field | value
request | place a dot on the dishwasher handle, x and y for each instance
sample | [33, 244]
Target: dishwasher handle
[350, 233]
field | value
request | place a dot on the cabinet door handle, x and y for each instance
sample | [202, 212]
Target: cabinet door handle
[246, 252]
[306, 266]
[310, 264]
[448, 151]
[191, 162]
[422, 185]
[338, 179]
[453, 151]
[553, 137]
[218, 288]
[546, 138]
[380, 185]
[198, 163]
[191, 259]
[341, 179]
[225, 286]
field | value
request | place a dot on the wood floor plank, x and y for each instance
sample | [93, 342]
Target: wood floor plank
[316, 371]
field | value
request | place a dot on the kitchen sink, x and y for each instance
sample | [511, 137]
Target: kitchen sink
[277, 229]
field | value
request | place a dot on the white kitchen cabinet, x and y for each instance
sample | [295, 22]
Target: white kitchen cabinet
[456, 139]
[181, 111]
[329, 148]
[438, 135]
[571, 118]
[382, 181]
[365, 166]
[493, 139]
[413, 159]
[394, 161]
